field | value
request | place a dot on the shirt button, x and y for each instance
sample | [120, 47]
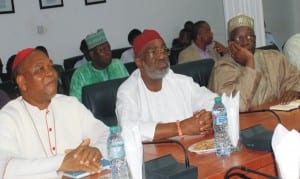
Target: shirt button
[50, 129]
[53, 148]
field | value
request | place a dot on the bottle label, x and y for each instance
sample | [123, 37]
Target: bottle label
[116, 152]
[221, 120]
[219, 117]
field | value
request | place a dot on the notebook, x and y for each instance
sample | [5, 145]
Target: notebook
[80, 174]
[286, 107]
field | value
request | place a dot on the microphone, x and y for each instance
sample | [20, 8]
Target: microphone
[167, 167]
[264, 110]
[257, 137]
[228, 174]
[186, 158]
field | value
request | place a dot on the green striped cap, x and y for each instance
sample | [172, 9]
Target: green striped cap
[95, 39]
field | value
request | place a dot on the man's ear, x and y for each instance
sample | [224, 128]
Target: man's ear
[21, 82]
[138, 62]
[91, 54]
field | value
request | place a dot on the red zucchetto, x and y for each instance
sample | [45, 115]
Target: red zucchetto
[141, 40]
[20, 56]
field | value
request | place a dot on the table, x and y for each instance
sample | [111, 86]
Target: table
[210, 166]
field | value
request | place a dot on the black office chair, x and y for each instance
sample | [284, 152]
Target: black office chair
[116, 53]
[199, 70]
[66, 77]
[69, 63]
[131, 66]
[59, 69]
[174, 53]
[269, 47]
[100, 98]
[10, 88]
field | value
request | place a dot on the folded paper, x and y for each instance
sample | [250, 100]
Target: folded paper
[286, 145]
[134, 151]
[232, 107]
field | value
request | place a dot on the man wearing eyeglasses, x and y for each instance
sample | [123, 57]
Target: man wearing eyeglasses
[101, 66]
[259, 75]
[159, 102]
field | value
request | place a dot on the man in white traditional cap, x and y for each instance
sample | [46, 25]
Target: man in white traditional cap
[259, 75]
[292, 50]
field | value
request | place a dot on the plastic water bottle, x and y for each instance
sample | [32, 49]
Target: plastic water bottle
[116, 154]
[220, 124]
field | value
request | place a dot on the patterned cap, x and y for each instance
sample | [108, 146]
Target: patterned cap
[141, 40]
[95, 39]
[240, 21]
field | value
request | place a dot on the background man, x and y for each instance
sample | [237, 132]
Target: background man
[101, 66]
[128, 55]
[44, 133]
[291, 50]
[259, 75]
[202, 45]
[85, 51]
[161, 103]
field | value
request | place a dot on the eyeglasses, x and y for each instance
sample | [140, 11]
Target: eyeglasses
[156, 52]
[239, 39]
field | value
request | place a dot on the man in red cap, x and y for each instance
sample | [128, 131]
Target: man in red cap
[163, 104]
[43, 133]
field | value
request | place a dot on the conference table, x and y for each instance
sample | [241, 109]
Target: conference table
[210, 166]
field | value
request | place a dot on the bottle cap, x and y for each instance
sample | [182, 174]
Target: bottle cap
[114, 129]
[218, 99]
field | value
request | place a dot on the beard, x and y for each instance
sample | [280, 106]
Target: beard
[154, 73]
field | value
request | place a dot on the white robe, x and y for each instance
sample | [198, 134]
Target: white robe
[179, 97]
[27, 140]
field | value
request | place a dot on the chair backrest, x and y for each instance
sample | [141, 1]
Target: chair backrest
[66, 77]
[69, 63]
[269, 47]
[59, 69]
[100, 98]
[131, 66]
[116, 53]
[10, 88]
[174, 53]
[199, 70]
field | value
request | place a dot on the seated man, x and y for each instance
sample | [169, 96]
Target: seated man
[202, 45]
[259, 75]
[101, 66]
[182, 41]
[128, 55]
[161, 103]
[43, 133]
[291, 50]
